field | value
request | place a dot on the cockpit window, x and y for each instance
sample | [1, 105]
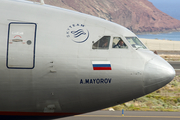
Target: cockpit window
[103, 43]
[118, 43]
[135, 42]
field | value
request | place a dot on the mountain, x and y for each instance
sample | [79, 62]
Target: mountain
[140, 16]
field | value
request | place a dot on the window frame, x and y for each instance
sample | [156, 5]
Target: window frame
[99, 40]
[122, 38]
[135, 43]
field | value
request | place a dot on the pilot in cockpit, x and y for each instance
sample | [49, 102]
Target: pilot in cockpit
[120, 44]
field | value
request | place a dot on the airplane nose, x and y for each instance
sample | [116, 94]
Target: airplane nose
[157, 73]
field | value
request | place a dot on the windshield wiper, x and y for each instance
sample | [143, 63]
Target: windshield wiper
[139, 47]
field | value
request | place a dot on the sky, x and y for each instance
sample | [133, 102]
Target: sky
[170, 7]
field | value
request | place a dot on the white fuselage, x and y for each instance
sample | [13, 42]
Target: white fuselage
[46, 62]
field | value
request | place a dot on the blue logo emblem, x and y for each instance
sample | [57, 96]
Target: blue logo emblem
[77, 33]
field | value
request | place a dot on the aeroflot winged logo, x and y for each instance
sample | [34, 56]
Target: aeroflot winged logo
[77, 33]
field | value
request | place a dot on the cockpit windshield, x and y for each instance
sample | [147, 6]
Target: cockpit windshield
[136, 43]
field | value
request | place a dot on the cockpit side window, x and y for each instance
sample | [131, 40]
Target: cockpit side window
[103, 43]
[119, 43]
[135, 42]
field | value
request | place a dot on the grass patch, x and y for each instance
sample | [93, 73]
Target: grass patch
[164, 99]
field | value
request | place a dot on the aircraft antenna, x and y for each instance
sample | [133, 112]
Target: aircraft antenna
[42, 2]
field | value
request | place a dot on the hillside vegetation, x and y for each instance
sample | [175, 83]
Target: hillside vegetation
[139, 16]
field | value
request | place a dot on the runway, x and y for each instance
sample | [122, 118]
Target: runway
[128, 115]
[176, 66]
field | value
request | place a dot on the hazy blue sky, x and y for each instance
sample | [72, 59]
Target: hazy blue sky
[171, 7]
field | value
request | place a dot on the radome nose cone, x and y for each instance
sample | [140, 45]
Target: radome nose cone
[157, 73]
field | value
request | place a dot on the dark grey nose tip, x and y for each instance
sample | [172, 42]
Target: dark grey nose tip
[157, 73]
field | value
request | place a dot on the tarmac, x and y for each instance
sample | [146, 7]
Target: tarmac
[175, 64]
[128, 115]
